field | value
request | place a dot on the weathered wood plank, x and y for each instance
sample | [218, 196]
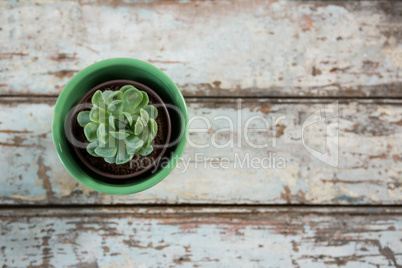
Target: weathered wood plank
[203, 237]
[369, 169]
[209, 48]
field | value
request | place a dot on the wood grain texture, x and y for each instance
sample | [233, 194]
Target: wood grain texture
[204, 237]
[369, 169]
[209, 48]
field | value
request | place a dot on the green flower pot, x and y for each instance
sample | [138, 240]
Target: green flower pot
[114, 69]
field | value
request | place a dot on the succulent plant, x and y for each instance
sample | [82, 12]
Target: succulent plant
[119, 125]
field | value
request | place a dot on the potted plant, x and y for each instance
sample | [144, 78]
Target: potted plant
[120, 126]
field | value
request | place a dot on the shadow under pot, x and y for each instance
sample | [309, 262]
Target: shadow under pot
[121, 125]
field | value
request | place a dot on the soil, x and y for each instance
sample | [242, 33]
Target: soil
[138, 162]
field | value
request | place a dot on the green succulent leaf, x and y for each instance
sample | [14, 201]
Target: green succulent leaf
[90, 130]
[132, 139]
[110, 160]
[144, 135]
[134, 149]
[101, 133]
[129, 118]
[144, 117]
[112, 121]
[146, 151]
[138, 127]
[148, 142]
[153, 127]
[97, 99]
[83, 118]
[97, 115]
[143, 103]
[106, 94]
[94, 114]
[131, 151]
[91, 148]
[105, 150]
[133, 144]
[120, 122]
[122, 156]
[132, 98]
[125, 88]
[120, 135]
[116, 107]
[152, 111]
[116, 95]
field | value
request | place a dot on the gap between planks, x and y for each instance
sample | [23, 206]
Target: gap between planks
[51, 99]
[157, 210]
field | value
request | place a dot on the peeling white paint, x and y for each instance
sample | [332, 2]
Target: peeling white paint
[217, 48]
[274, 239]
[366, 173]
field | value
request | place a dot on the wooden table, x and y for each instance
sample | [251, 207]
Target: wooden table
[254, 58]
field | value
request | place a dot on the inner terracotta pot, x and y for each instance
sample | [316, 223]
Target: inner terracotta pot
[139, 164]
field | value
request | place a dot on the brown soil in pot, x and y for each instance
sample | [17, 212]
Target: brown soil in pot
[138, 163]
